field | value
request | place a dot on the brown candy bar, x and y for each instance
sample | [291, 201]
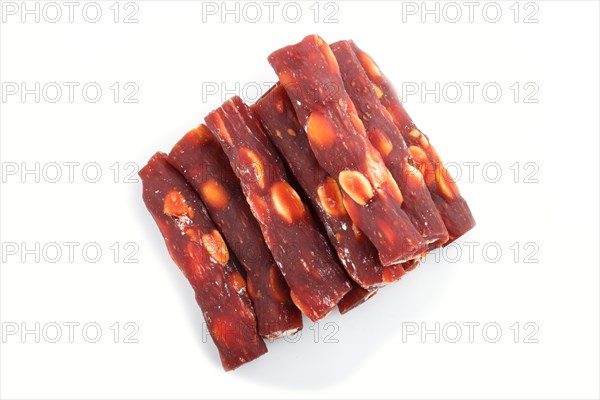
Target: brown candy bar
[357, 254]
[386, 137]
[453, 208]
[310, 75]
[303, 255]
[199, 251]
[200, 159]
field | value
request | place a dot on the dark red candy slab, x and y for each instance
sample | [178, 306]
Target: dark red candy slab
[387, 139]
[452, 206]
[199, 251]
[310, 75]
[310, 268]
[200, 159]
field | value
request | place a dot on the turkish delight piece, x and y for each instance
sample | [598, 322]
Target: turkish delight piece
[316, 280]
[452, 206]
[387, 139]
[199, 251]
[200, 159]
[310, 75]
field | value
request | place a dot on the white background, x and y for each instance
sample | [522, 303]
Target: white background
[174, 56]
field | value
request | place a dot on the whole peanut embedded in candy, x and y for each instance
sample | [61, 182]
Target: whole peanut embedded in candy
[381, 142]
[174, 204]
[287, 202]
[423, 164]
[320, 131]
[215, 246]
[330, 197]
[214, 194]
[357, 186]
[445, 183]
[253, 165]
[391, 187]
[417, 134]
[369, 65]
[411, 172]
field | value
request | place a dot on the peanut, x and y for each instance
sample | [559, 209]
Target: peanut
[174, 204]
[391, 187]
[369, 66]
[215, 246]
[203, 134]
[192, 234]
[422, 163]
[248, 157]
[287, 202]
[214, 194]
[378, 91]
[375, 166]
[445, 183]
[412, 174]
[380, 141]
[238, 281]
[350, 107]
[320, 131]
[417, 134]
[329, 57]
[357, 186]
[357, 123]
[330, 198]
[291, 132]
